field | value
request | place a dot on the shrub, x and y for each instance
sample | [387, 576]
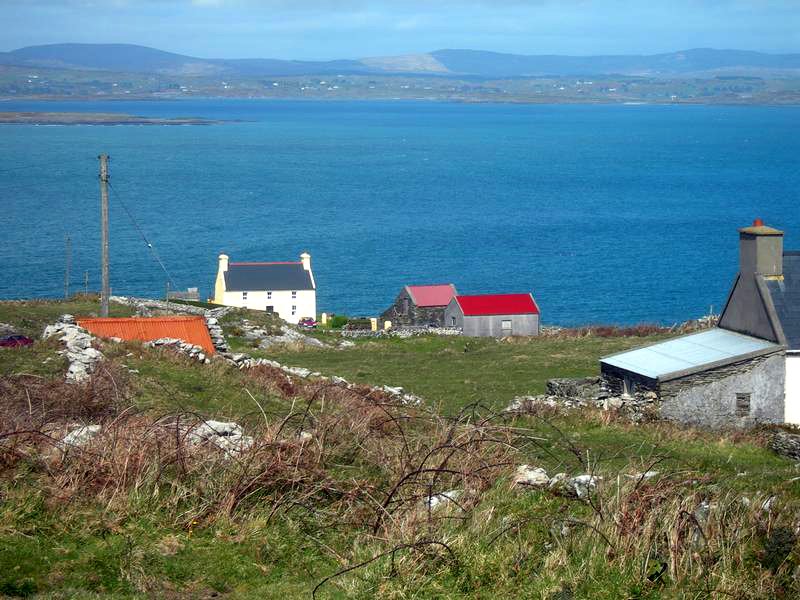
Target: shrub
[338, 321]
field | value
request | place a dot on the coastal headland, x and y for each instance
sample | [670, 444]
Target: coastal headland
[71, 118]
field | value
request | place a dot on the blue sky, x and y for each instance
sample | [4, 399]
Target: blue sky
[325, 29]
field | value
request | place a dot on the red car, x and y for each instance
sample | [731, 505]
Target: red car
[308, 323]
[15, 341]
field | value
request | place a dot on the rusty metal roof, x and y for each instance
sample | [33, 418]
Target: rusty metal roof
[432, 295]
[189, 329]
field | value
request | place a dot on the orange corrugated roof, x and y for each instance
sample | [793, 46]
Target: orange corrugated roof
[145, 329]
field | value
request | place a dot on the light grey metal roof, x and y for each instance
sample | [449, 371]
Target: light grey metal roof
[690, 354]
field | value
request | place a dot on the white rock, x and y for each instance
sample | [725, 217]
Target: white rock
[645, 475]
[444, 497]
[583, 485]
[531, 476]
[80, 436]
[339, 380]
[394, 391]
[298, 371]
[227, 436]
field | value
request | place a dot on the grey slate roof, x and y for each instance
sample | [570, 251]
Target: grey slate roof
[786, 298]
[253, 277]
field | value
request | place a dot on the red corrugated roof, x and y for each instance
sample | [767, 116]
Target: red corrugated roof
[432, 295]
[188, 329]
[498, 304]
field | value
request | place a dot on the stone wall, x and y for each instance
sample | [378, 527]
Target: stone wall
[709, 398]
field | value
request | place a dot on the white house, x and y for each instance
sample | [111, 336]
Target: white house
[285, 288]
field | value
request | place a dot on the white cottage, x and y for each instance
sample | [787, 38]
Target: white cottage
[285, 288]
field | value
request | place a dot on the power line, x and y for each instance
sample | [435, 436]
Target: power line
[142, 234]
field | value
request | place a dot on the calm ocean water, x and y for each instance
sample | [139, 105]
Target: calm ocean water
[607, 213]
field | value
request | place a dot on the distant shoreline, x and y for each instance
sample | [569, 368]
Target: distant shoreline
[125, 119]
[76, 118]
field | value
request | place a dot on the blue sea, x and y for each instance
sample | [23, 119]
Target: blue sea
[609, 214]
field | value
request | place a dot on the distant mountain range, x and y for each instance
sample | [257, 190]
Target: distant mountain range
[140, 59]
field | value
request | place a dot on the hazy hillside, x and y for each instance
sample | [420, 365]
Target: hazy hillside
[140, 59]
[704, 60]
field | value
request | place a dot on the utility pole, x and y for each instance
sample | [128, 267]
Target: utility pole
[104, 292]
[67, 266]
[86, 283]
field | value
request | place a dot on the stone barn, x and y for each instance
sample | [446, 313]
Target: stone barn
[420, 305]
[746, 370]
[494, 315]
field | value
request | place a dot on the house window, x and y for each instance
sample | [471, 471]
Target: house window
[269, 295]
[270, 309]
[294, 295]
[742, 405]
[505, 324]
[244, 296]
[294, 310]
[453, 320]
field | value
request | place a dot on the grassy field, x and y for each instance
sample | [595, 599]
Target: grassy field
[333, 493]
[451, 372]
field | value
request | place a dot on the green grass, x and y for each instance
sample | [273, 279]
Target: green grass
[30, 317]
[139, 544]
[452, 372]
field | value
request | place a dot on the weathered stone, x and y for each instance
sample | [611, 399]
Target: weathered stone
[227, 436]
[786, 444]
[298, 371]
[585, 388]
[583, 485]
[80, 436]
[531, 476]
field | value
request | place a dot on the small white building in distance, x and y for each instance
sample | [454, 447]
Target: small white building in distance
[285, 288]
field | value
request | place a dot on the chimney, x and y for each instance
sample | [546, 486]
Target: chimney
[761, 250]
[219, 284]
[305, 258]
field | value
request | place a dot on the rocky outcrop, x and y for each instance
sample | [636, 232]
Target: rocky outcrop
[83, 359]
[287, 335]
